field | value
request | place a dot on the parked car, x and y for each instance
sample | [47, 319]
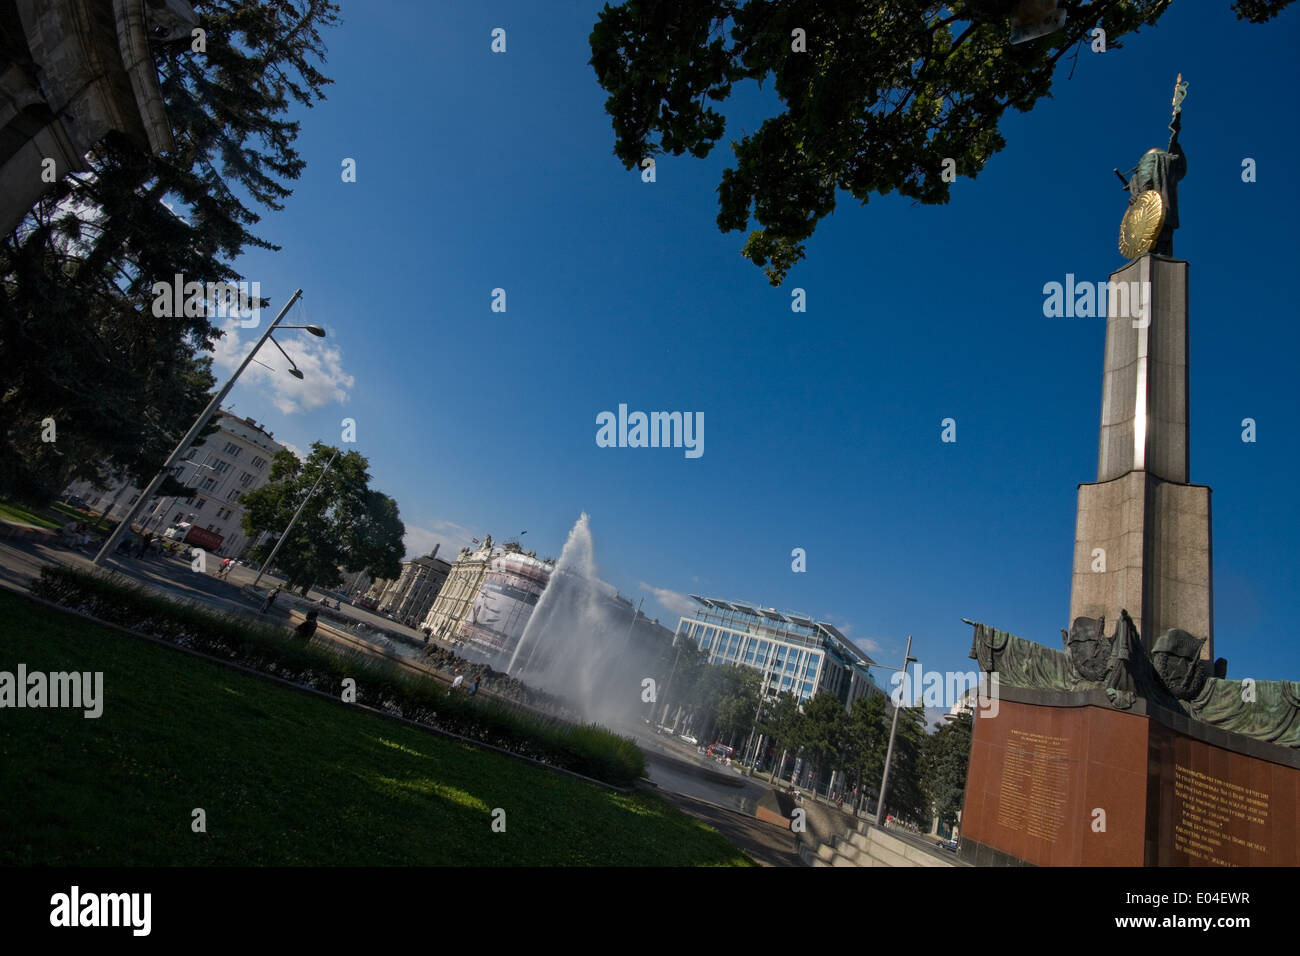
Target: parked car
[721, 751]
[948, 845]
[689, 739]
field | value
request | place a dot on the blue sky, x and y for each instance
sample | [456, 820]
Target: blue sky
[478, 171]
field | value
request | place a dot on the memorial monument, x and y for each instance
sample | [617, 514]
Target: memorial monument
[1133, 748]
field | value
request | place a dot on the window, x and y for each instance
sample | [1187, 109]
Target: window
[221, 467]
[133, 499]
[208, 484]
[232, 449]
[179, 517]
[198, 505]
[245, 478]
[234, 495]
[258, 462]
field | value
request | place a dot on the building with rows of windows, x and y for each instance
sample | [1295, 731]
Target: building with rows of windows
[231, 462]
[409, 596]
[793, 652]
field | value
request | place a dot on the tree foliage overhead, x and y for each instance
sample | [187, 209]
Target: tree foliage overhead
[344, 524]
[885, 92]
[78, 338]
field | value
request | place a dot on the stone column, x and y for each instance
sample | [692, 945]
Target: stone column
[1142, 535]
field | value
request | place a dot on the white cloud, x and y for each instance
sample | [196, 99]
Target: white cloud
[672, 601]
[297, 452]
[449, 536]
[323, 381]
[868, 644]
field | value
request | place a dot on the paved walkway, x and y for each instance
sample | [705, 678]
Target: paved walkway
[765, 843]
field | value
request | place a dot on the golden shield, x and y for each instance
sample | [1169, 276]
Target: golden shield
[1141, 224]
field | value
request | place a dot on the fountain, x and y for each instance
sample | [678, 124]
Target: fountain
[576, 644]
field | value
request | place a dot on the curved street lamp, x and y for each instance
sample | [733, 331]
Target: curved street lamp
[202, 420]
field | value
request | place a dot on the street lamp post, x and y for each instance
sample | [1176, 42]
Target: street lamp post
[889, 754]
[293, 521]
[197, 427]
[762, 689]
[668, 686]
[160, 512]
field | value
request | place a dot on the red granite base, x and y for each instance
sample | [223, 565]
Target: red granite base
[1094, 786]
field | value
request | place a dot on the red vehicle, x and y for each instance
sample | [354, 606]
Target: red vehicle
[203, 538]
[189, 534]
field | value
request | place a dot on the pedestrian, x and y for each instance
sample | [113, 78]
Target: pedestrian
[308, 627]
[224, 569]
[270, 599]
[455, 684]
[473, 687]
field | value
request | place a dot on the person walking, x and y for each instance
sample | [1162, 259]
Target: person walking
[224, 569]
[270, 599]
[473, 687]
[308, 627]
[455, 684]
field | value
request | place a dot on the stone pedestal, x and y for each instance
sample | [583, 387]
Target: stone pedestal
[1142, 536]
[1155, 556]
[1061, 779]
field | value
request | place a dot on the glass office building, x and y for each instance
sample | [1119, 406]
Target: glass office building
[794, 653]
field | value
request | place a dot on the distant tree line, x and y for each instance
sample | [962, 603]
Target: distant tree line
[720, 704]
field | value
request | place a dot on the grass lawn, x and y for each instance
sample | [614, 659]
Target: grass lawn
[284, 778]
[23, 515]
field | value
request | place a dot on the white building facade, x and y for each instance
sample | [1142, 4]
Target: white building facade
[231, 462]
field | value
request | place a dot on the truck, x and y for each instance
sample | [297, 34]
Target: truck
[190, 534]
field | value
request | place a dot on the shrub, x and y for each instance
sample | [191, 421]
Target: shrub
[586, 749]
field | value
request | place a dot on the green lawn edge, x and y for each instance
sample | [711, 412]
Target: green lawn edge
[283, 777]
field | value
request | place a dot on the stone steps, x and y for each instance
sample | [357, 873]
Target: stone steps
[869, 846]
